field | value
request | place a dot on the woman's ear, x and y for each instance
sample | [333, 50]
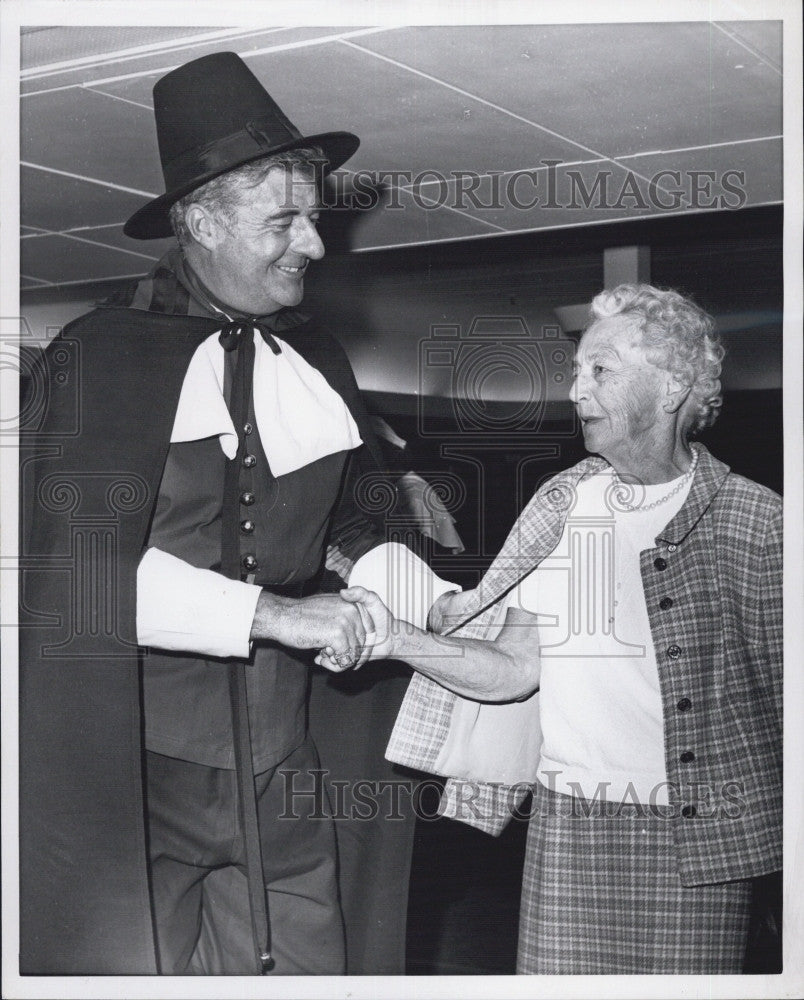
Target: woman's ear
[675, 394]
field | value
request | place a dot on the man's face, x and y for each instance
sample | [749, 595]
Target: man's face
[260, 256]
[617, 392]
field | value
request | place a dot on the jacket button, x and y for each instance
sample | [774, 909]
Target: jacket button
[687, 757]
[674, 651]
[247, 527]
[247, 499]
[672, 548]
[660, 563]
[249, 461]
[684, 705]
[247, 428]
[665, 603]
[689, 812]
[249, 563]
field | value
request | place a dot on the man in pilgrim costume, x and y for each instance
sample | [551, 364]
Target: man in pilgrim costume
[173, 542]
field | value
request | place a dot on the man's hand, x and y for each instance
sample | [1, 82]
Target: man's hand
[318, 622]
[379, 624]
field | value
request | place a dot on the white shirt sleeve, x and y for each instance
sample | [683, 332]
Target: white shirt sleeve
[406, 585]
[185, 609]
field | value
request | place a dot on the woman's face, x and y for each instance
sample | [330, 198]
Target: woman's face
[618, 393]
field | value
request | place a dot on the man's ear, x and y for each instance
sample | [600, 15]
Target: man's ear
[202, 226]
[676, 394]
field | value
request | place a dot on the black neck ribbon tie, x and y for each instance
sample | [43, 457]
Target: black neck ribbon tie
[238, 335]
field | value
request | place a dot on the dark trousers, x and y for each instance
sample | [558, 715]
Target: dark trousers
[196, 855]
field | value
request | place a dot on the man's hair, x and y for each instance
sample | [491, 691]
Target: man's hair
[221, 195]
[678, 336]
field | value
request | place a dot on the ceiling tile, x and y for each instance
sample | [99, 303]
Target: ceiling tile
[764, 36]
[615, 88]
[52, 202]
[146, 67]
[746, 173]
[46, 45]
[113, 236]
[405, 122]
[552, 198]
[643, 93]
[410, 223]
[99, 137]
[57, 259]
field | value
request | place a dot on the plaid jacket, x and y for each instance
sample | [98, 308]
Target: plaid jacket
[718, 644]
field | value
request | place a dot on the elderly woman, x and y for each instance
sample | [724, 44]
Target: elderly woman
[655, 575]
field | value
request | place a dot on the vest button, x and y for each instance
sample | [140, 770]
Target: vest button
[665, 603]
[247, 499]
[249, 461]
[689, 812]
[247, 527]
[660, 563]
[687, 757]
[683, 704]
[674, 651]
[249, 563]
[247, 428]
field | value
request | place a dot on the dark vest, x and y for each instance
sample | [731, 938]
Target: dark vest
[283, 528]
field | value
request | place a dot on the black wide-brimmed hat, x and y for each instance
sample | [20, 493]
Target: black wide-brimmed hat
[213, 115]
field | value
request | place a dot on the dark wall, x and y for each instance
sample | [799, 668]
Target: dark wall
[731, 263]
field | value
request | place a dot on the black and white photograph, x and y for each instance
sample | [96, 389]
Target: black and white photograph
[402, 499]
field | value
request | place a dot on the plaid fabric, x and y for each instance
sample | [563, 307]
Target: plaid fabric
[601, 894]
[719, 653]
[423, 721]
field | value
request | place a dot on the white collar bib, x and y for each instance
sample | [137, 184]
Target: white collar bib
[300, 417]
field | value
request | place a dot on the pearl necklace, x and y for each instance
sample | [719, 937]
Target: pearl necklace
[622, 488]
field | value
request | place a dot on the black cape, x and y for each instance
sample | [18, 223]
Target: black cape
[96, 428]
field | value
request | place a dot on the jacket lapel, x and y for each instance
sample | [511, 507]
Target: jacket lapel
[706, 483]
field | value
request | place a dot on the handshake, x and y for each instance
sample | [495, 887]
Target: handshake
[346, 629]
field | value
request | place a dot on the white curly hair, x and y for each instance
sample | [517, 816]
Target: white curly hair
[678, 336]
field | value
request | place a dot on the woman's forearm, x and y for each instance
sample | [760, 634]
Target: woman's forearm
[505, 669]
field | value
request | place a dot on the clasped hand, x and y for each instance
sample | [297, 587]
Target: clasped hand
[347, 630]
[375, 644]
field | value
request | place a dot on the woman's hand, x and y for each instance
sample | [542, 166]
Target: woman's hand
[380, 630]
[448, 611]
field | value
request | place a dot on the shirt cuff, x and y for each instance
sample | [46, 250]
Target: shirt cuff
[186, 609]
[404, 582]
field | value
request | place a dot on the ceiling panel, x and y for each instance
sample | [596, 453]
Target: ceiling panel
[113, 236]
[89, 122]
[765, 37]
[134, 59]
[612, 88]
[624, 101]
[60, 258]
[46, 45]
[409, 123]
[53, 202]
[555, 197]
[745, 173]
[412, 223]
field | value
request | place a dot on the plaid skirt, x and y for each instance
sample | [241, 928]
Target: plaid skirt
[601, 894]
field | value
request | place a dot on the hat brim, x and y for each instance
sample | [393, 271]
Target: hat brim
[152, 221]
